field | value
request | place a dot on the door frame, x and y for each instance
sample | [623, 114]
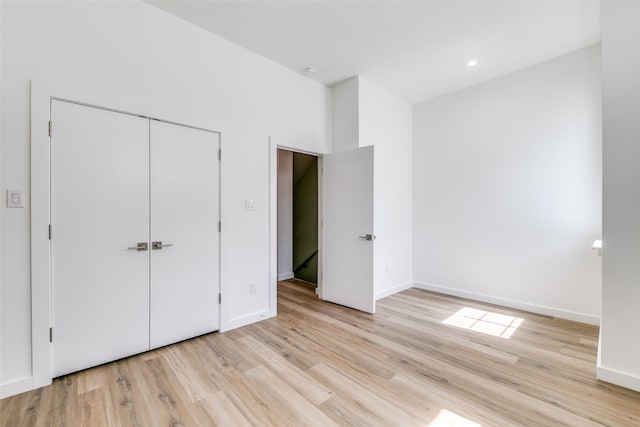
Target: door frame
[42, 92]
[273, 221]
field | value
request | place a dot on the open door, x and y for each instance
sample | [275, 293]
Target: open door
[348, 239]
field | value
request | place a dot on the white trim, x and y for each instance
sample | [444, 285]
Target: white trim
[298, 150]
[1, 212]
[238, 322]
[221, 273]
[17, 386]
[273, 228]
[618, 378]
[533, 308]
[320, 276]
[393, 290]
[42, 91]
[285, 276]
[40, 249]
[599, 354]
[613, 376]
[122, 102]
[273, 224]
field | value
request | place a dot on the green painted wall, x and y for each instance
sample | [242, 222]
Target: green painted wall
[305, 217]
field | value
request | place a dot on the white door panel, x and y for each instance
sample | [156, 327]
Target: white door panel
[347, 214]
[184, 213]
[99, 208]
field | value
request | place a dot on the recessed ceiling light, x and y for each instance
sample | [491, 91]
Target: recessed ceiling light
[472, 63]
[309, 71]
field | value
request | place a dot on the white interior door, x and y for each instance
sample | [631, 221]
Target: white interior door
[347, 270]
[99, 209]
[185, 211]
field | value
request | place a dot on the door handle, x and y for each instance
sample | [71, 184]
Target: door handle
[141, 246]
[159, 245]
[367, 237]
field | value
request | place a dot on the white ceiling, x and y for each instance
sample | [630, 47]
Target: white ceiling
[416, 49]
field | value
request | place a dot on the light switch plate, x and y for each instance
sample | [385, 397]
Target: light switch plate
[15, 199]
[250, 205]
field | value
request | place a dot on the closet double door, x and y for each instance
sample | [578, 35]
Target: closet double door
[134, 238]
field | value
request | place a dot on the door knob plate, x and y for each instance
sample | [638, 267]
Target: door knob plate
[367, 237]
[141, 246]
[159, 245]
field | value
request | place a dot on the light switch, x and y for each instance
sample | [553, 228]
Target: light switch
[250, 205]
[15, 199]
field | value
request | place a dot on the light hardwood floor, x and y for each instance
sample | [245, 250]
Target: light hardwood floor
[321, 364]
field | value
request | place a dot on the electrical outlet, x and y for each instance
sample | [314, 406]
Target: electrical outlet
[252, 288]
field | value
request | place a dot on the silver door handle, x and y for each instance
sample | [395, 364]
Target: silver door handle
[159, 245]
[367, 237]
[141, 246]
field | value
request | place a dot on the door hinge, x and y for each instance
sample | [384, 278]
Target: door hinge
[49, 231]
[219, 298]
[49, 128]
[219, 226]
[50, 334]
[219, 154]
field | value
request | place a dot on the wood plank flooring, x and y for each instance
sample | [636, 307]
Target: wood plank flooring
[424, 359]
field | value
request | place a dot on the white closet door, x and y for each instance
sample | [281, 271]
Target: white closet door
[99, 208]
[185, 211]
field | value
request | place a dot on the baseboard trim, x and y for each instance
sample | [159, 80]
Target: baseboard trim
[285, 276]
[238, 322]
[20, 386]
[539, 309]
[613, 376]
[393, 290]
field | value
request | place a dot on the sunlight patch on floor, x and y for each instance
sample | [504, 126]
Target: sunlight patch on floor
[449, 419]
[486, 322]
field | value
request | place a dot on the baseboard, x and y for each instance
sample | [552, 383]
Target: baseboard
[285, 276]
[539, 309]
[390, 291]
[238, 322]
[618, 378]
[613, 376]
[20, 386]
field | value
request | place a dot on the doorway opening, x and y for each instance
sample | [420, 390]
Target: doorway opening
[297, 218]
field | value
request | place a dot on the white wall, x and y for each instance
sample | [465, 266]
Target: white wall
[285, 214]
[385, 121]
[507, 189]
[619, 351]
[139, 51]
[365, 114]
[345, 115]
